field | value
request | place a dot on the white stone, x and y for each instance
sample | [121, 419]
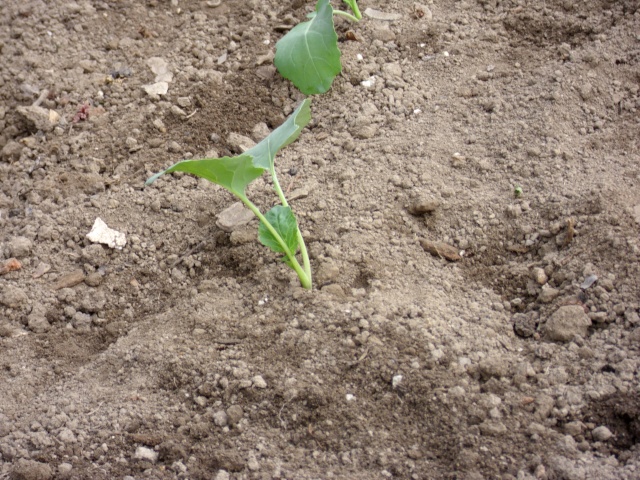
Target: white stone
[158, 88]
[101, 233]
[144, 453]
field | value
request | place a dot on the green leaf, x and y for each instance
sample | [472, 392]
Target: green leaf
[284, 223]
[236, 173]
[264, 152]
[232, 173]
[309, 55]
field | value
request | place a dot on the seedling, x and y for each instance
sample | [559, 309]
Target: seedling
[517, 191]
[278, 228]
[309, 55]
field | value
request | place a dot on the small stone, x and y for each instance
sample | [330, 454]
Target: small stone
[365, 131]
[539, 276]
[222, 475]
[423, 205]
[67, 436]
[69, 280]
[494, 366]
[160, 67]
[567, 322]
[41, 118]
[422, 12]
[253, 464]
[601, 434]
[260, 131]
[174, 147]
[548, 294]
[156, 89]
[94, 279]
[240, 143]
[144, 453]
[19, 247]
[574, 428]
[441, 249]
[64, 469]
[234, 414]
[234, 217]
[101, 233]
[492, 428]
[220, 418]
[259, 382]
[13, 297]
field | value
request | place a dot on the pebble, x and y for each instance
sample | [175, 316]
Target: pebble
[441, 249]
[567, 322]
[220, 418]
[259, 382]
[492, 428]
[222, 475]
[41, 118]
[68, 280]
[19, 247]
[234, 414]
[548, 294]
[160, 67]
[234, 217]
[156, 89]
[423, 205]
[240, 143]
[601, 434]
[539, 276]
[144, 453]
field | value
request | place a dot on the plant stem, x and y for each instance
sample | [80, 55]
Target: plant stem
[303, 246]
[344, 14]
[305, 278]
[353, 5]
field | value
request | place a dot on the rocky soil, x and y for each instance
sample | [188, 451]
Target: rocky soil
[469, 192]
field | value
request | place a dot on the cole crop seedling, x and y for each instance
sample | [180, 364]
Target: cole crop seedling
[278, 228]
[309, 55]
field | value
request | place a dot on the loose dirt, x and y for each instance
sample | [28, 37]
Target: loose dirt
[472, 212]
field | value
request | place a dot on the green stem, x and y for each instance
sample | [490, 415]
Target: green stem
[303, 246]
[346, 15]
[353, 5]
[305, 279]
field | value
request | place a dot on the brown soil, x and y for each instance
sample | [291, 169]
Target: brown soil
[455, 329]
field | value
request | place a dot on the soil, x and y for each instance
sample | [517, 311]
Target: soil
[472, 213]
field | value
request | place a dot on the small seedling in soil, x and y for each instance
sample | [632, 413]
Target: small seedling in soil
[518, 191]
[278, 228]
[309, 55]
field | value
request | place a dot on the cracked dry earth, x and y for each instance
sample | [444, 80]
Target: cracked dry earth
[456, 329]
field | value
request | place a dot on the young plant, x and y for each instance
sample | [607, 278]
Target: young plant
[309, 55]
[278, 228]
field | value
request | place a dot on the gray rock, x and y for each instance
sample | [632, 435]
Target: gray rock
[601, 434]
[234, 217]
[19, 247]
[222, 475]
[567, 322]
[423, 205]
[13, 297]
[234, 414]
[220, 418]
[260, 131]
